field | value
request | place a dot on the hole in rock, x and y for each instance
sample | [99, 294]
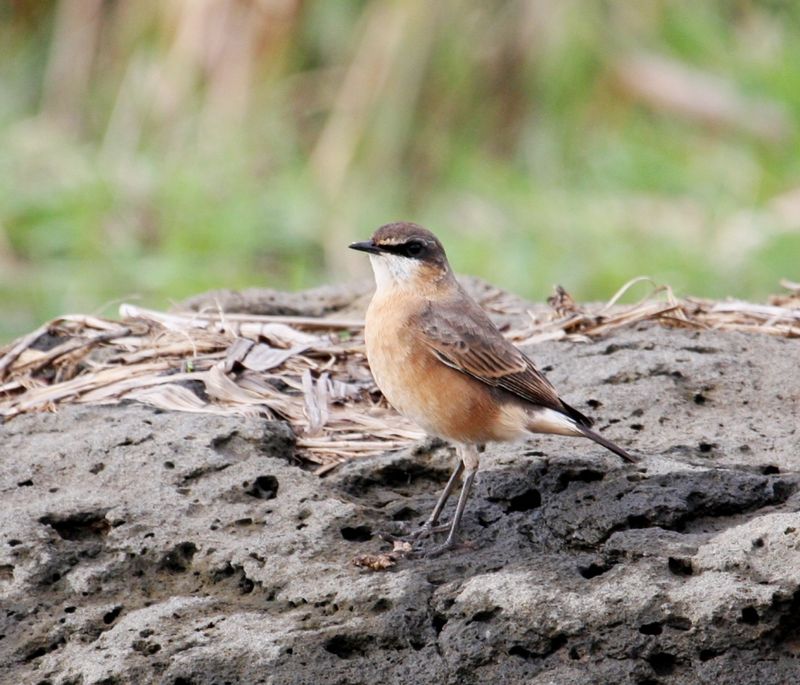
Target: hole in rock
[653, 628]
[680, 567]
[638, 521]
[381, 605]
[708, 654]
[264, 487]
[398, 475]
[179, 558]
[110, 616]
[520, 651]
[405, 514]
[145, 647]
[347, 646]
[679, 622]
[486, 615]
[438, 622]
[356, 533]
[750, 616]
[81, 526]
[594, 569]
[577, 476]
[663, 663]
[530, 499]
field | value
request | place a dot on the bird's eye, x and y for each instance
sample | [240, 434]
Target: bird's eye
[414, 248]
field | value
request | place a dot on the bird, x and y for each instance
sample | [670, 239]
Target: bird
[440, 361]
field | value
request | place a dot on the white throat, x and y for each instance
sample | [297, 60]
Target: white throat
[393, 271]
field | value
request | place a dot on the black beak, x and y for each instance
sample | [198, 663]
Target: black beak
[366, 246]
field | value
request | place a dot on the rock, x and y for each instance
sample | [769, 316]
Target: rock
[320, 301]
[151, 547]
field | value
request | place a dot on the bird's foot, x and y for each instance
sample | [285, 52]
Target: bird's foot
[437, 550]
[424, 531]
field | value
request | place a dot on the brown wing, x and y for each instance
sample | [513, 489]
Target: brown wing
[462, 336]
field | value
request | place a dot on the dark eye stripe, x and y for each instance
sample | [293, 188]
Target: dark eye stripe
[405, 251]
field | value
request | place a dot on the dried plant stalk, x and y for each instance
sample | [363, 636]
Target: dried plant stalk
[300, 369]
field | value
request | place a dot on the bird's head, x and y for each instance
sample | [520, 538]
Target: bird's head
[406, 255]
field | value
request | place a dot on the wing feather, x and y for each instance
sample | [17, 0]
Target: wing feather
[465, 339]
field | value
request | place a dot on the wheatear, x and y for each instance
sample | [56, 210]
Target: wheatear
[441, 362]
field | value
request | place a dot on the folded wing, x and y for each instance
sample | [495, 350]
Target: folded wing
[465, 339]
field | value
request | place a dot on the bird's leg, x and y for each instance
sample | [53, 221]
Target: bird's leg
[470, 463]
[430, 526]
[433, 519]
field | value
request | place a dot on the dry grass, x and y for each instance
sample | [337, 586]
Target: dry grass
[309, 371]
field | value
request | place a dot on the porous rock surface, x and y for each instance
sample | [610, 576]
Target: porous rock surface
[138, 546]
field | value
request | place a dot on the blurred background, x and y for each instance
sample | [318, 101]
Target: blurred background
[151, 149]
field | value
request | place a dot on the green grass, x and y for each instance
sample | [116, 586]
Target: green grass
[502, 131]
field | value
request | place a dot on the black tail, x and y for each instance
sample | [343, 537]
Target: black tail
[582, 420]
[584, 425]
[600, 440]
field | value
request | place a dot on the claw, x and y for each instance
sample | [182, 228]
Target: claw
[438, 550]
[424, 531]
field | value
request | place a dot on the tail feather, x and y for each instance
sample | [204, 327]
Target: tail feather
[600, 440]
[581, 419]
[567, 420]
[584, 425]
